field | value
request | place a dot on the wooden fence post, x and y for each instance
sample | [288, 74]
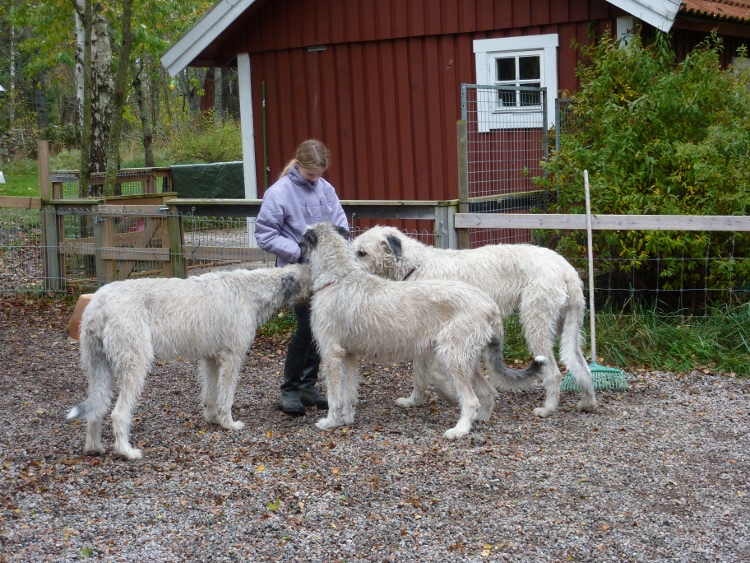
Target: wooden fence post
[445, 224]
[53, 264]
[44, 176]
[463, 180]
[174, 227]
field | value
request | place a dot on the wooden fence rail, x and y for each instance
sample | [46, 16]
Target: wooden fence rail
[160, 236]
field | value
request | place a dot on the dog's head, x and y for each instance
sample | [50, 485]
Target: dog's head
[296, 284]
[311, 237]
[290, 286]
[307, 243]
[380, 250]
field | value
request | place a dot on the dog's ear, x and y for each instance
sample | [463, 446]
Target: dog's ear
[394, 244]
[343, 231]
[308, 241]
[289, 285]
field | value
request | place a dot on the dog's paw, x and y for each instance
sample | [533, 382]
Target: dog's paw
[586, 406]
[543, 412]
[325, 423]
[405, 402]
[454, 434]
[129, 453]
[233, 425]
[94, 451]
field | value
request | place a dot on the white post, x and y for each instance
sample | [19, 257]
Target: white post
[244, 76]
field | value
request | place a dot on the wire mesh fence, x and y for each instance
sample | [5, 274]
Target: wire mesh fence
[138, 246]
[133, 181]
[21, 251]
[507, 138]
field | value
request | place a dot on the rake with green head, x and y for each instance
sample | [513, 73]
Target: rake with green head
[602, 377]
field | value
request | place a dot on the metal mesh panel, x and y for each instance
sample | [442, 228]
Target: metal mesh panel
[506, 139]
[212, 243]
[129, 182]
[21, 251]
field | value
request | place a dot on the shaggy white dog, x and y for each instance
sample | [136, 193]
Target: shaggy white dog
[358, 315]
[212, 318]
[537, 282]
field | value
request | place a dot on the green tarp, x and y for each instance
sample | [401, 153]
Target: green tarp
[222, 180]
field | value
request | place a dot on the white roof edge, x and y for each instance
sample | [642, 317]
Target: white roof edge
[202, 34]
[659, 13]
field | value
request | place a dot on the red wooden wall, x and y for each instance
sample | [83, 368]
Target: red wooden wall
[385, 93]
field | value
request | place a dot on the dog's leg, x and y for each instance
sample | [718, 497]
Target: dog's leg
[131, 378]
[419, 374]
[571, 355]
[539, 323]
[350, 384]
[486, 394]
[333, 359]
[466, 397]
[208, 375]
[229, 364]
[94, 445]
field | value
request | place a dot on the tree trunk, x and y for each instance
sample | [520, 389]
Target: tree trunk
[148, 150]
[101, 94]
[218, 100]
[83, 66]
[123, 67]
[40, 100]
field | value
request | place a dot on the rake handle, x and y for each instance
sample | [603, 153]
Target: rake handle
[591, 264]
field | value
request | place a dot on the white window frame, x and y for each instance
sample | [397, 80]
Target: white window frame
[486, 51]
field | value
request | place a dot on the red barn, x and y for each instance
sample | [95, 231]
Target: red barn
[380, 81]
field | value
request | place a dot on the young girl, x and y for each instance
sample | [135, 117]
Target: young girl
[299, 198]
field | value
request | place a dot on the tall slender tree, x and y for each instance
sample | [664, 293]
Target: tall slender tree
[121, 84]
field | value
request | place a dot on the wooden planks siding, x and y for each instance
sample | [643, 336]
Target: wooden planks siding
[384, 94]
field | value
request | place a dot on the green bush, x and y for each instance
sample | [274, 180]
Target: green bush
[658, 137]
[205, 142]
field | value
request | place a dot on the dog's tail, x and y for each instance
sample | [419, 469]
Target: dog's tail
[571, 341]
[96, 364]
[503, 377]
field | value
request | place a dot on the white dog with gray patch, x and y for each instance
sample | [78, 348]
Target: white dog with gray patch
[540, 284]
[358, 315]
[213, 318]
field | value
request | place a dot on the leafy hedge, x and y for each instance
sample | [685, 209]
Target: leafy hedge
[658, 137]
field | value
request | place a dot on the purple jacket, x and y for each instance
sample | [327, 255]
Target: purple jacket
[288, 208]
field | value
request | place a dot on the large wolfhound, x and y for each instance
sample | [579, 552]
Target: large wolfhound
[539, 283]
[212, 318]
[358, 315]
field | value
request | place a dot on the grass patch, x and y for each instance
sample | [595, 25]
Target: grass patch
[718, 341]
[21, 178]
[283, 323]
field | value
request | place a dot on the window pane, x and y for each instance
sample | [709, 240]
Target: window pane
[506, 98]
[529, 68]
[506, 69]
[531, 98]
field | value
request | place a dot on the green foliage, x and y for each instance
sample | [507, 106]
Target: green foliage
[658, 137]
[283, 323]
[719, 340]
[21, 178]
[204, 142]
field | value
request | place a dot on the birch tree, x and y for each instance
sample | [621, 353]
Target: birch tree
[121, 83]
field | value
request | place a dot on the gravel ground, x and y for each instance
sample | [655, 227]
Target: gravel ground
[659, 473]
